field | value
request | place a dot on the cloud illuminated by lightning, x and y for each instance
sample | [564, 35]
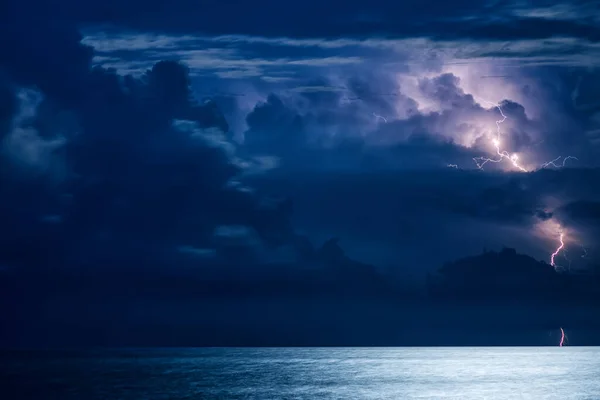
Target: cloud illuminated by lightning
[513, 158]
[503, 154]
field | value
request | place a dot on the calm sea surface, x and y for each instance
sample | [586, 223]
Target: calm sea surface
[304, 373]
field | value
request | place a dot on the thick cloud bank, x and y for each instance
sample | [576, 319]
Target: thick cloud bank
[141, 186]
[100, 168]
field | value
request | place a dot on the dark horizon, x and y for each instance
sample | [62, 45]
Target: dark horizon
[343, 303]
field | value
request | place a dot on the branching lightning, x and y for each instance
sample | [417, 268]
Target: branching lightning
[553, 162]
[503, 154]
[564, 257]
[513, 158]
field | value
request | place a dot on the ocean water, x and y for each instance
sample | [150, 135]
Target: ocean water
[304, 373]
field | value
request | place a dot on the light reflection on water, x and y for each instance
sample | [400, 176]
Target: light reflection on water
[306, 373]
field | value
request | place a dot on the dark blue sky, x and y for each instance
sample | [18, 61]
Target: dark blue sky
[164, 136]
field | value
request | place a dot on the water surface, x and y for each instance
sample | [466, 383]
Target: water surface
[305, 373]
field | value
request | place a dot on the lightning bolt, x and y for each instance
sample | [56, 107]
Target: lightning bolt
[561, 251]
[452, 166]
[513, 158]
[503, 154]
[559, 248]
[553, 162]
[562, 337]
[379, 116]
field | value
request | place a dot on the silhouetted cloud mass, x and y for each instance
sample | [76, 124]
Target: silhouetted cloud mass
[161, 164]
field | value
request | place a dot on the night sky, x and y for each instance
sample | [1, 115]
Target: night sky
[225, 172]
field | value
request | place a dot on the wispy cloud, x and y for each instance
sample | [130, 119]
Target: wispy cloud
[240, 56]
[558, 11]
[135, 52]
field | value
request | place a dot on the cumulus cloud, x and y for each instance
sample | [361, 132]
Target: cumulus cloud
[420, 82]
[140, 151]
[24, 147]
[358, 116]
[146, 168]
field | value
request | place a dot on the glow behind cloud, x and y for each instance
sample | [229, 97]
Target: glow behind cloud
[502, 154]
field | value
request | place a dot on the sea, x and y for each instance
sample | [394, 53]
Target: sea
[497, 373]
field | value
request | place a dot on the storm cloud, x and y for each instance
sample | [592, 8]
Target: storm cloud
[163, 149]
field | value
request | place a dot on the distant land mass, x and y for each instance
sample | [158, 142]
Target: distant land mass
[506, 274]
[328, 299]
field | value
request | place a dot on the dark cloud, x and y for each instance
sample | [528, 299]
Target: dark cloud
[150, 184]
[415, 220]
[136, 123]
[543, 215]
[145, 169]
[66, 61]
[583, 216]
[131, 186]
[445, 90]
[588, 211]
[511, 28]
[275, 127]
[266, 17]
[8, 106]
